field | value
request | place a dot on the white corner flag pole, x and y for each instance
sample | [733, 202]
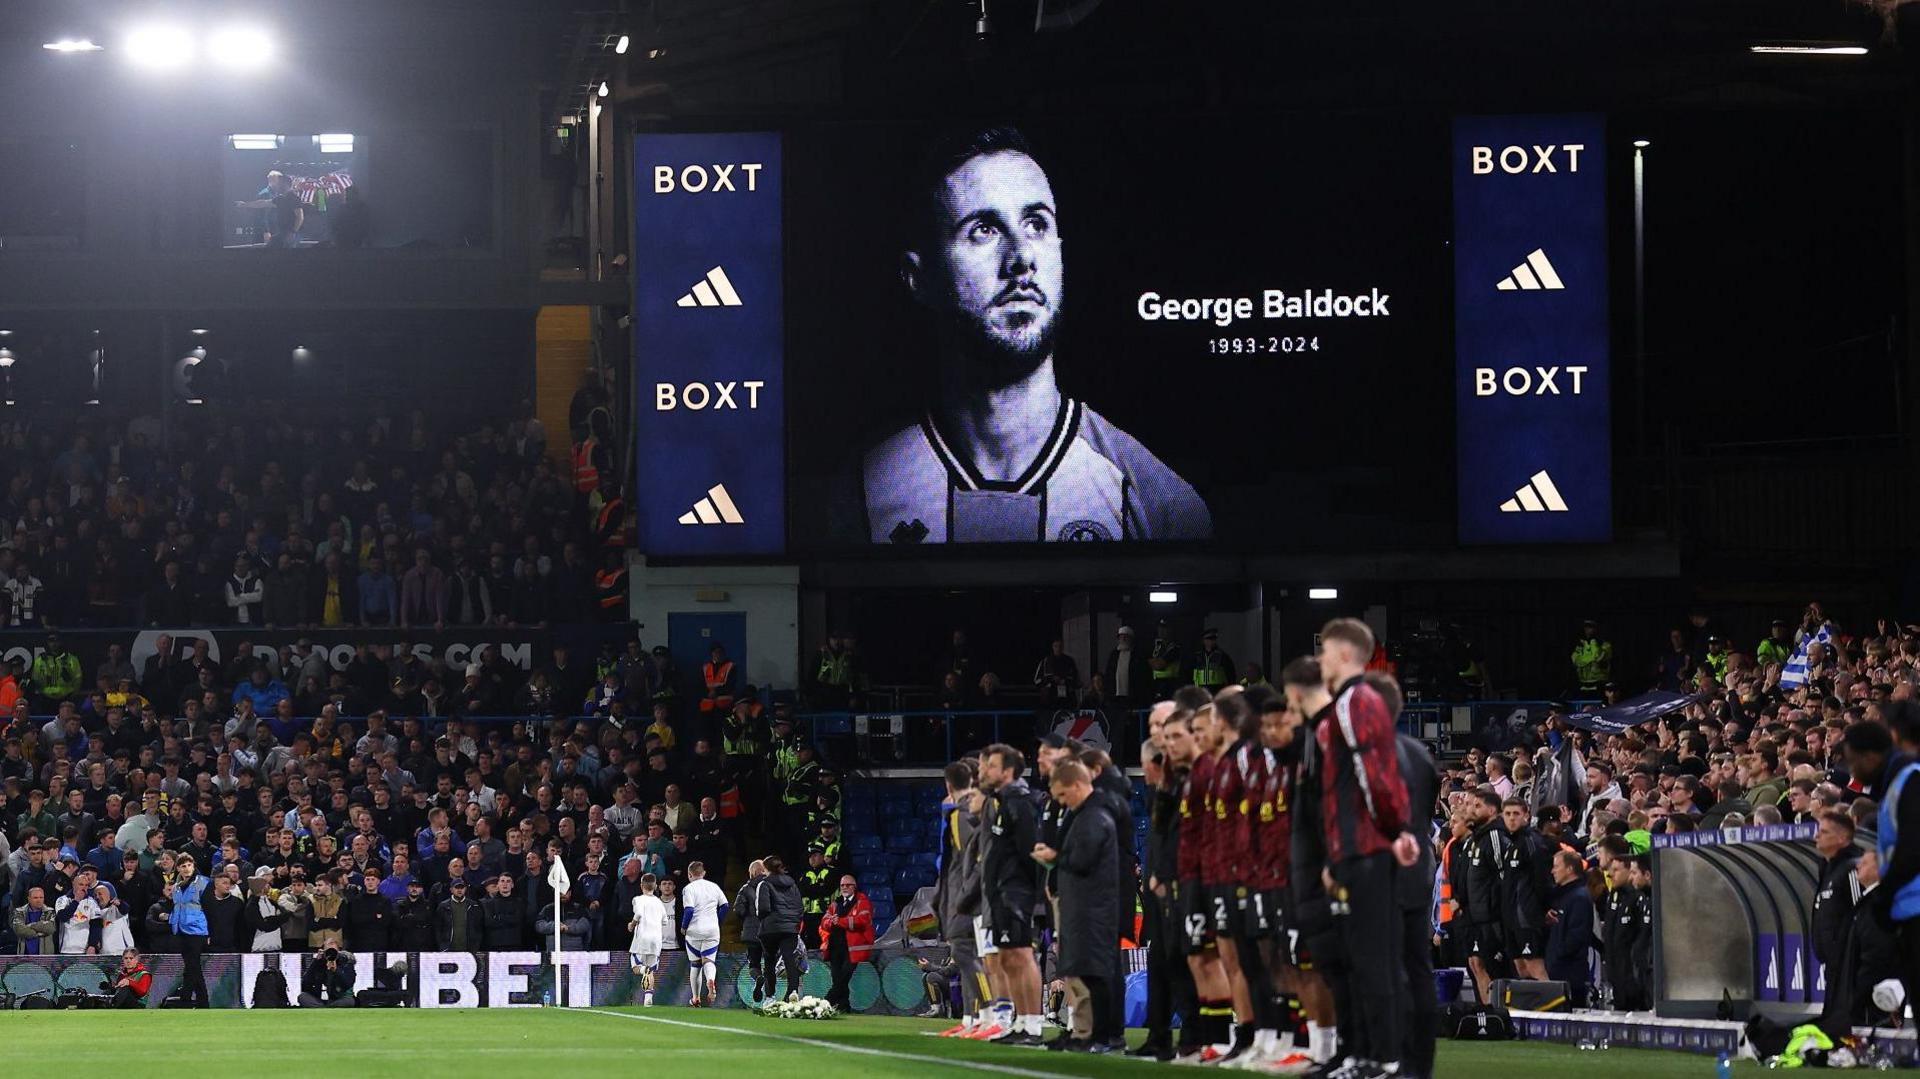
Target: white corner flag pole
[557, 877]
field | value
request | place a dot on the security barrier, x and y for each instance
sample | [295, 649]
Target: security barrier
[892, 983]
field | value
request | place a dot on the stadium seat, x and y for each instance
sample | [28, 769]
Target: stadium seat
[927, 859]
[859, 843]
[903, 825]
[903, 844]
[878, 859]
[875, 878]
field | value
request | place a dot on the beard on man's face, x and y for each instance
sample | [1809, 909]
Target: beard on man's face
[1002, 346]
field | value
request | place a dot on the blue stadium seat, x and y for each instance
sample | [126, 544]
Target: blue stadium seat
[875, 878]
[869, 842]
[858, 820]
[879, 859]
[905, 882]
[903, 844]
[906, 825]
[928, 859]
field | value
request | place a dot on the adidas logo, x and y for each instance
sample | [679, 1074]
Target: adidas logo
[1538, 495]
[718, 508]
[1530, 276]
[714, 290]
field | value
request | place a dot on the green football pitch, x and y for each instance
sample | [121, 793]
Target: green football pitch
[734, 1044]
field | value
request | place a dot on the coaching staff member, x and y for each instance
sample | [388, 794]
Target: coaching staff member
[1002, 456]
[1364, 813]
[1888, 774]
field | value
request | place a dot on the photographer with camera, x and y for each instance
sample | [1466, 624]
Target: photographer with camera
[328, 980]
[129, 984]
[189, 923]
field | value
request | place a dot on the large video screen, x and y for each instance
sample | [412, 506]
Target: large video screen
[1139, 330]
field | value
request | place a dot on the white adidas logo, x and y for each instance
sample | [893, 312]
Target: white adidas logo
[715, 509]
[1532, 275]
[1538, 495]
[713, 290]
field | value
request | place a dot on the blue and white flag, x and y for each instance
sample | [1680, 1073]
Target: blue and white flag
[1794, 674]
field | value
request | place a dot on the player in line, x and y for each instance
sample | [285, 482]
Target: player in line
[649, 926]
[703, 906]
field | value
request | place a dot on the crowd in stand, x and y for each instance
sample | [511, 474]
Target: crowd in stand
[1545, 835]
[400, 523]
[364, 820]
[1529, 858]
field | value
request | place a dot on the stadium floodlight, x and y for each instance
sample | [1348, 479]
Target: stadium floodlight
[159, 47]
[1641, 144]
[1163, 597]
[603, 88]
[1323, 593]
[620, 46]
[240, 48]
[340, 142]
[1808, 50]
[72, 44]
[256, 142]
[6, 357]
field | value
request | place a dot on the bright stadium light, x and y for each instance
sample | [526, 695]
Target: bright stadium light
[603, 88]
[1163, 597]
[240, 48]
[72, 44]
[620, 47]
[159, 48]
[255, 142]
[337, 143]
[1323, 593]
[1808, 50]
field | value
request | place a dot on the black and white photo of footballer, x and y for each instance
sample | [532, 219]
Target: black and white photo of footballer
[1001, 455]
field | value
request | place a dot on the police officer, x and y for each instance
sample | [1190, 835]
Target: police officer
[818, 883]
[1213, 669]
[1166, 663]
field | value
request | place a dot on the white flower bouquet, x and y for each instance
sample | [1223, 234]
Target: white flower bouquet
[803, 1008]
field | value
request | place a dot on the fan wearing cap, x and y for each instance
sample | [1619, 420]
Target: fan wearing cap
[413, 920]
[459, 924]
[1129, 678]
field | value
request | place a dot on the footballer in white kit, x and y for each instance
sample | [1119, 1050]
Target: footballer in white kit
[648, 925]
[702, 907]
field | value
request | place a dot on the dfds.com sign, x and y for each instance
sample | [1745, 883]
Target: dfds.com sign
[1530, 329]
[707, 341]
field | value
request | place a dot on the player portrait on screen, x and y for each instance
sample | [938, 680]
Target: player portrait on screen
[1001, 455]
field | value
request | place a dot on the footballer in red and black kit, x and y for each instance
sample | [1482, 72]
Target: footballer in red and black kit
[1196, 815]
[1222, 866]
[1271, 835]
[1197, 833]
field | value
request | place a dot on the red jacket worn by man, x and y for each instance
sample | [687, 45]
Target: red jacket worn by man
[1363, 798]
[855, 917]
